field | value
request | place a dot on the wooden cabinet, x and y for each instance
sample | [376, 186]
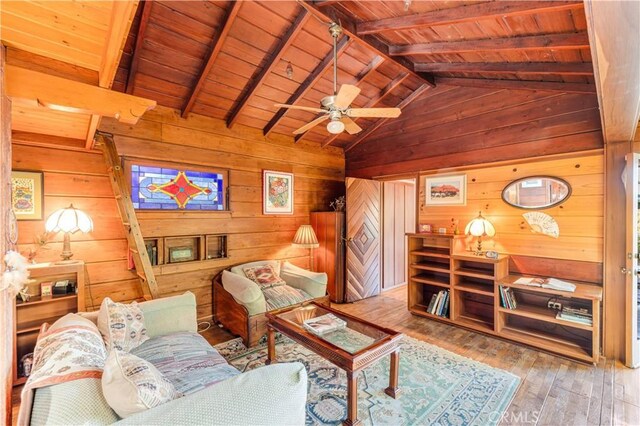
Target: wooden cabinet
[40, 309]
[473, 285]
[330, 257]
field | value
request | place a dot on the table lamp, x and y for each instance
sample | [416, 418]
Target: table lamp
[480, 227]
[306, 238]
[68, 220]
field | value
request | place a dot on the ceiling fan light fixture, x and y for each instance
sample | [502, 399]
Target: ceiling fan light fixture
[335, 127]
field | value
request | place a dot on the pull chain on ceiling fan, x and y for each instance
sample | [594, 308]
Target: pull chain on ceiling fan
[336, 107]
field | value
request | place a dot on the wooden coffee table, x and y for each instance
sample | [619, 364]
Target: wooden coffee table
[353, 348]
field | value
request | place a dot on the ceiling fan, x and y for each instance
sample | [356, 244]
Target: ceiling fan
[336, 107]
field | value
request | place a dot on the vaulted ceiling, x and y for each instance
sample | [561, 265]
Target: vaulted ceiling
[230, 60]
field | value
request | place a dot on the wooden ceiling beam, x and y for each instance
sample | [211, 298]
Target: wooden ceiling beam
[519, 85]
[578, 40]
[537, 68]
[122, 15]
[135, 59]
[214, 51]
[463, 14]
[384, 93]
[330, 13]
[307, 84]
[46, 141]
[272, 61]
[60, 94]
[412, 97]
[367, 71]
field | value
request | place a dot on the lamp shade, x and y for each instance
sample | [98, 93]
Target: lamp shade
[69, 220]
[480, 227]
[305, 237]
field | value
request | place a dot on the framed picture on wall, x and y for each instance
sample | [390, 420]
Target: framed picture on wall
[277, 193]
[450, 190]
[27, 194]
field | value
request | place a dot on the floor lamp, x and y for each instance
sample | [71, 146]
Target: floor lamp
[306, 238]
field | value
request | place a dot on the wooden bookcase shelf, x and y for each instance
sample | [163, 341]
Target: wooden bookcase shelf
[473, 282]
[38, 310]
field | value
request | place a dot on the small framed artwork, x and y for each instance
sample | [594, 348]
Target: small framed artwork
[277, 196]
[181, 254]
[448, 190]
[46, 289]
[27, 194]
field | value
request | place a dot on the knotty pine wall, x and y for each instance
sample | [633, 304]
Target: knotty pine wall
[580, 218]
[163, 136]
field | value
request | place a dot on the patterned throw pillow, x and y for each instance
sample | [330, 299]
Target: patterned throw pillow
[130, 384]
[121, 326]
[265, 276]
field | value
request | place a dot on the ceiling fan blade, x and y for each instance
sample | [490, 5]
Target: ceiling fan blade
[311, 125]
[350, 126]
[374, 112]
[303, 108]
[346, 95]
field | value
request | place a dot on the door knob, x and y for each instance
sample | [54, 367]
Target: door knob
[626, 271]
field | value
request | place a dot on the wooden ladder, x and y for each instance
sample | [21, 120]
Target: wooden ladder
[131, 226]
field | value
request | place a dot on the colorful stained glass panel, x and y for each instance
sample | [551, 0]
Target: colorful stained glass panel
[163, 188]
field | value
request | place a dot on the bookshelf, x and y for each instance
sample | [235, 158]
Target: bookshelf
[437, 262]
[39, 309]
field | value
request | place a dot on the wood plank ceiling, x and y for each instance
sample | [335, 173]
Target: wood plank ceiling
[230, 60]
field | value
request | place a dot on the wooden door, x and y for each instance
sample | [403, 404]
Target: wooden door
[632, 342]
[398, 218]
[364, 242]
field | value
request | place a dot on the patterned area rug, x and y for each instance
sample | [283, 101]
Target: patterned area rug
[437, 387]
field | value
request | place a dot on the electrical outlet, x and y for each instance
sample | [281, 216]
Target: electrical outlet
[554, 305]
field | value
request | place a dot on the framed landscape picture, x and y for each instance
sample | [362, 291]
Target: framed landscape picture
[446, 190]
[277, 197]
[27, 194]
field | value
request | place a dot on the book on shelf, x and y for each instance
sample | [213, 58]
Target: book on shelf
[578, 315]
[324, 324]
[508, 298]
[548, 283]
[432, 303]
[439, 304]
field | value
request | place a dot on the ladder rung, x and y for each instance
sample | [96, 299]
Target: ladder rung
[127, 224]
[142, 277]
[118, 196]
[134, 250]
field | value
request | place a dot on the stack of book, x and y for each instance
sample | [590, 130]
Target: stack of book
[324, 324]
[508, 298]
[439, 304]
[579, 315]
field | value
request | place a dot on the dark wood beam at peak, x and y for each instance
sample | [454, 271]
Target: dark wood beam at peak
[367, 71]
[552, 86]
[135, 60]
[330, 13]
[462, 14]
[308, 83]
[537, 68]
[214, 51]
[577, 40]
[374, 102]
[271, 63]
[405, 102]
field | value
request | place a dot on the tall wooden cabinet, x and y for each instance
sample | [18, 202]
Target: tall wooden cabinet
[330, 256]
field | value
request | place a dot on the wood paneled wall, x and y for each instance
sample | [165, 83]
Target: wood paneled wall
[80, 177]
[580, 218]
[459, 126]
[163, 136]
[398, 218]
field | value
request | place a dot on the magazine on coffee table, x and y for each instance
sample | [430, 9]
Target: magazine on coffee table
[324, 324]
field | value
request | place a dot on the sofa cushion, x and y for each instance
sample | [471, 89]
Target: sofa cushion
[130, 384]
[245, 292]
[186, 360]
[72, 403]
[122, 326]
[169, 315]
[265, 276]
[313, 283]
[283, 296]
[239, 269]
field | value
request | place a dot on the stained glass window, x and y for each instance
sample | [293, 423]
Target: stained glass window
[163, 188]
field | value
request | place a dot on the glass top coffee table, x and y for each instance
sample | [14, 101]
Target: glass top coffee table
[353, 347]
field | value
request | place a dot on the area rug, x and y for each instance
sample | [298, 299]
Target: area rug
[437, 387]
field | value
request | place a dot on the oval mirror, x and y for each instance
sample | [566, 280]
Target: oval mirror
[536, 192]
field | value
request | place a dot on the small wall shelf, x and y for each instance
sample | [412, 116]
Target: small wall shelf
[185, 249]
[474, 284]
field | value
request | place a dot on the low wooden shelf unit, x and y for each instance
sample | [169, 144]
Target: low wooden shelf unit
[473, 283]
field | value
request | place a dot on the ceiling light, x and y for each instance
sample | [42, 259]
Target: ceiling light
[289, 71]
[335, 127]
[407, 5]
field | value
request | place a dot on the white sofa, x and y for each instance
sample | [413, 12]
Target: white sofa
[268, 395]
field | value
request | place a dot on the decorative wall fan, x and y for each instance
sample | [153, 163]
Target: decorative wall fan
[336, 107]
[542, 223]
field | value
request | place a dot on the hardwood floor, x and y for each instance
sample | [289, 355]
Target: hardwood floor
[554, 391]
